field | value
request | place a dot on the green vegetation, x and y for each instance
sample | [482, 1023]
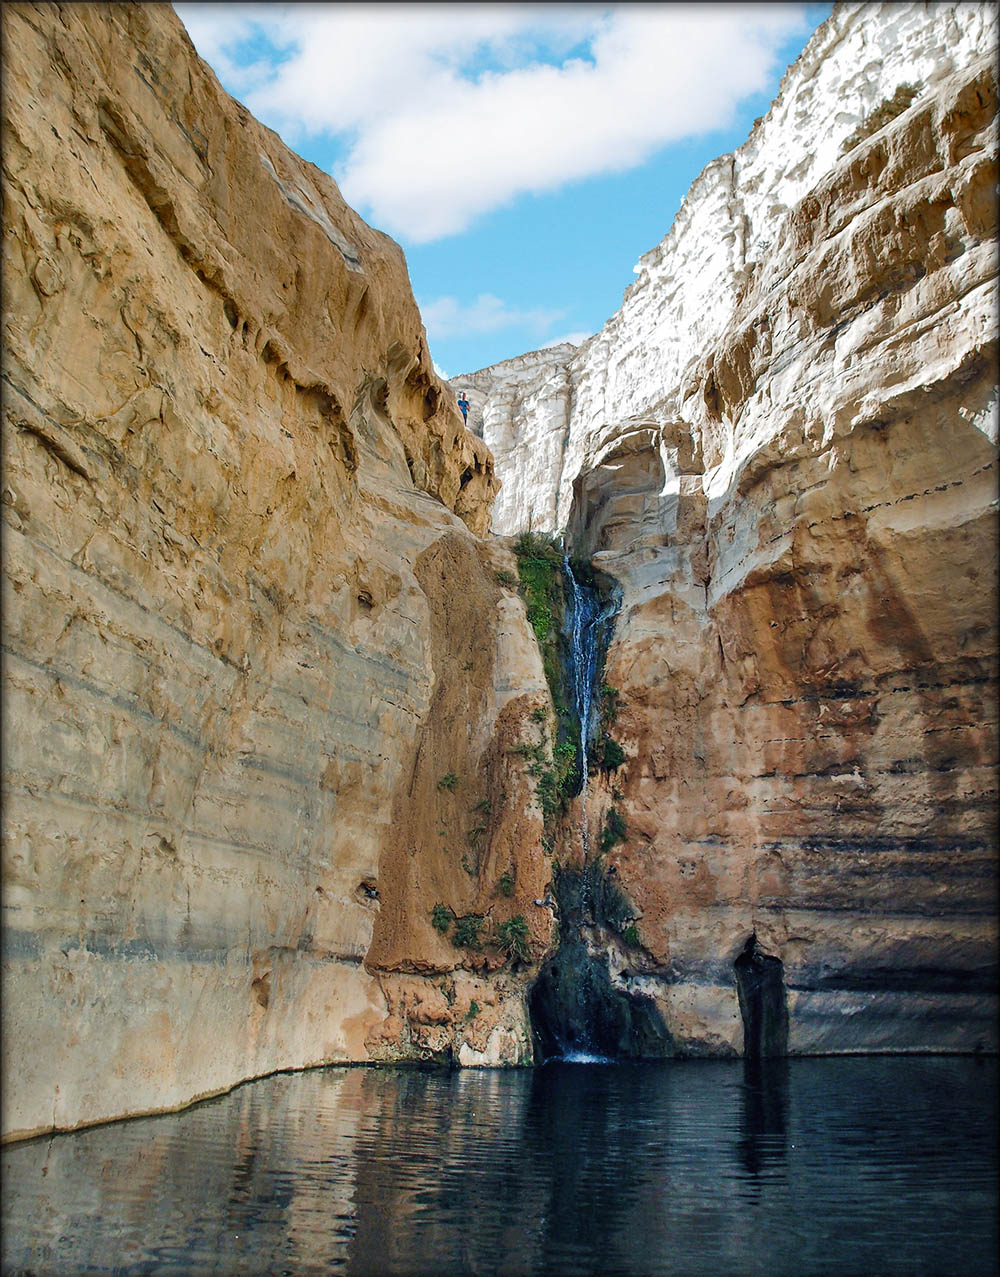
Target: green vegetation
[448, 781]
[512, 937]
[485, 806]
[467, 929]
[503, 577]
[614, 830]
[473, 1011]
[441, 917]
[467, 866]
[505, 883]
[610, 754]
[539, 566]
[631, 935]
[886, 110]
[557, 774]
[467, 665]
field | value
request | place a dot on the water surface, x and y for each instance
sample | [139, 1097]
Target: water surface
[849, 1165]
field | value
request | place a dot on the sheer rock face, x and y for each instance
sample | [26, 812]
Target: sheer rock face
[235, 499]
[784, 447]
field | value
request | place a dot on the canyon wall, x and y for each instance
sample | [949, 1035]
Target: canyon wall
[783, 447]
[237, 505]
[275, 722]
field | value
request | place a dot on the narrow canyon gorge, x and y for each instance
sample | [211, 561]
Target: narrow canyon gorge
[651, 715]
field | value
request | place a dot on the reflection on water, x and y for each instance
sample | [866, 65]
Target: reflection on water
[805, 1166]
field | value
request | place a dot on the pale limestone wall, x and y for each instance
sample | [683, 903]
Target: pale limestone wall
[226, 457]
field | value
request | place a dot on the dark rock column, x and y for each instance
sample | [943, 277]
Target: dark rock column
[760, 984]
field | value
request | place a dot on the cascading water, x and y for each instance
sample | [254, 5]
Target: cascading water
[586, 613]
[577, 1013]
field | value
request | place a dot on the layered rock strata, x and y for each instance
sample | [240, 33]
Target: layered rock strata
[783, 446]
[238, 505]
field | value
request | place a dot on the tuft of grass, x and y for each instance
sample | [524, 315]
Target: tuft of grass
[631, 935]
[485, 806]
[473, 1011]
[505, 883]
[467, 929]
[512, 937]
[448, 781]
[505, 578]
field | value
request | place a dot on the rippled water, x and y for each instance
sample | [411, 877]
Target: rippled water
[884, 1165]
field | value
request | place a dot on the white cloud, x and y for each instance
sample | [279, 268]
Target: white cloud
[450, 111]
[451, 317]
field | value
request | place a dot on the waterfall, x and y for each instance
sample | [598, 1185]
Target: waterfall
[586, 617]
[577, 1012]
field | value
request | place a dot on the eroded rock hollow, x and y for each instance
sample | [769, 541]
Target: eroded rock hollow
[289, 766]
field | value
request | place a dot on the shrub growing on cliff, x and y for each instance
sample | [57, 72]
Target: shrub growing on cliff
[512, 937]
[467, 929]
[441, 917]
[611, 754]
[614, 829]
[631, 935]
[448, 781]
[505, 883]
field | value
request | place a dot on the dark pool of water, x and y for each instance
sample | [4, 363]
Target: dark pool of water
[867, 1166]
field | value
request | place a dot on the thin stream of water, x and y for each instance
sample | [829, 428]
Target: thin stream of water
[586, 617]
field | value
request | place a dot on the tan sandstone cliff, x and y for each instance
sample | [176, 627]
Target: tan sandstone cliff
[783, 446]
[237, 505]
[269, 694]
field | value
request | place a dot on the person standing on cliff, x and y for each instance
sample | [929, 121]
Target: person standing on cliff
[463, 403]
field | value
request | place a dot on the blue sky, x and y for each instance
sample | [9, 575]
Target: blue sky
[524, 155]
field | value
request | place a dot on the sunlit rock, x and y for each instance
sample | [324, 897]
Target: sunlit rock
[783, 446]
